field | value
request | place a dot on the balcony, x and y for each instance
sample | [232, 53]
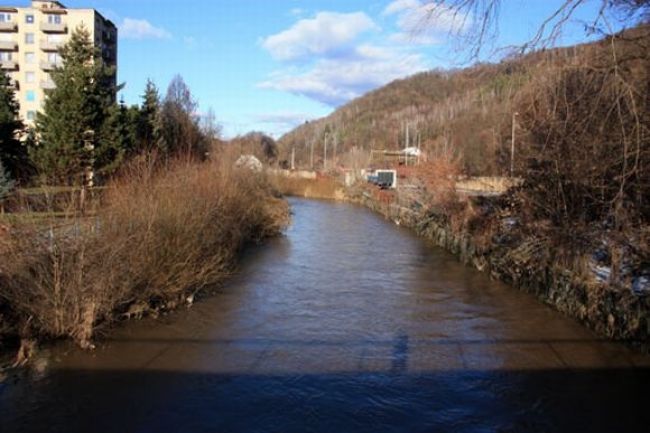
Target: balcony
[50, 66]
[48, 85]
[8, 65]
[50, 45]
[54, 27]
[8, 26]
[8, 46]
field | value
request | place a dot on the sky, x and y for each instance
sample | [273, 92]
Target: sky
[271, 65]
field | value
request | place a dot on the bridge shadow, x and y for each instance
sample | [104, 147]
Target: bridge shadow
[70, 401]
[398, 384]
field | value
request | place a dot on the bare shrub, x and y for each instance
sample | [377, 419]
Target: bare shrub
[320, 188]
[586, 142]
[159, 236]
[438, 176]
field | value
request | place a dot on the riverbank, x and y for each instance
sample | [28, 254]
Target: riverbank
[307, 186]
[157, 237]
[346, 323]
[492, 240]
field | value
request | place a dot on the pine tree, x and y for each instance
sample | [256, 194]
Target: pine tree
[118, 139]
[148, 128]
[6, 185]
[12, 153]
[74, 129]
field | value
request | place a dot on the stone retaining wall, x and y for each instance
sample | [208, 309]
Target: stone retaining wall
[615, 312]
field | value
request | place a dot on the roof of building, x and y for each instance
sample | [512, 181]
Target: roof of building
[57, 3]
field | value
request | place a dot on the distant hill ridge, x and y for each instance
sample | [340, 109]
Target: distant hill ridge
[467, 111]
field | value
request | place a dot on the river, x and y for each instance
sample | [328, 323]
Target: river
[346, 324]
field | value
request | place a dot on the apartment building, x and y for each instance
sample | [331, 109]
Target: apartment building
[30, 39]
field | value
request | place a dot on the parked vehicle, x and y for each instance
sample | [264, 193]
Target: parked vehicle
[384, 179]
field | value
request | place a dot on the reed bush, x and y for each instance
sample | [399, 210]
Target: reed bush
[158, 236]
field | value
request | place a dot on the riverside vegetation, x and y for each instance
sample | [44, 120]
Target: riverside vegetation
[159, 235]
[115, 212]
[576, 229]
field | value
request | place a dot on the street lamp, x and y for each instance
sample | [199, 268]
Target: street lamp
[512, 147]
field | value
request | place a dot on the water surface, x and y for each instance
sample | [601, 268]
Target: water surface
[346, 324]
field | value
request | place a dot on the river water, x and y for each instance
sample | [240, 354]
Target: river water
[346, 324]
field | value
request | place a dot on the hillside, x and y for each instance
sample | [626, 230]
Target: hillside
[466, 112]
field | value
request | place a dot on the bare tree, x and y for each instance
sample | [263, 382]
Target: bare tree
[180, 124]
[478, 19]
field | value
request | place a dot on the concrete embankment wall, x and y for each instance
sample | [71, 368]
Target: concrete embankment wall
[613, 312]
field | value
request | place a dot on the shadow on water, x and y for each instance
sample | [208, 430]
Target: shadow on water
[347, 324]
[612, 400]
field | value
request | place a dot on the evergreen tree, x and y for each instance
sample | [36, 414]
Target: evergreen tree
[148, 127]
[6, 185]
[119, 139]
[12, 153]
[75, 130]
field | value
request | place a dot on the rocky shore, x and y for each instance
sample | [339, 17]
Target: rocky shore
[613, 311]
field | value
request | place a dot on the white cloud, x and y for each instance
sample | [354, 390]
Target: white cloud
[336, 81]
[327, 34]
[422, 23]
[399, 6]
[283, 119]
[132, 28]
[414, 38]
[335, 57]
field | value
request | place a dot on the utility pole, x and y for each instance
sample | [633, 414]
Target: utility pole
[311, 156]
[325, 153]
[408, 140]
[293, 158]
[512, 147]
[335, 146]
[419, 147]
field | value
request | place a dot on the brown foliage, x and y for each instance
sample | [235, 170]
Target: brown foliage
[320, 188]
[586, 137]
[438, 176]
[159, 236]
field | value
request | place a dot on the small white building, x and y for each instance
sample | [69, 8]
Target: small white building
[249, 162]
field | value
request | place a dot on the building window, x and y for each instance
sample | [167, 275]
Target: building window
[5, 18]
[54, 19]
[29, 38]
[30, 77]
[5, 56]
[29, 19]
[31, 115]
[30, 96]
[30, 58]
[54, 58]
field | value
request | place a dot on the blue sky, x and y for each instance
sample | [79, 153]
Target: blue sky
[272, 64]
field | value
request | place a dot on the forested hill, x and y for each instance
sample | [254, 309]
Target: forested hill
[468, 112]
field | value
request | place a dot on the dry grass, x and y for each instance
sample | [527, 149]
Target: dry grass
[158, 236]
[439, 176]
[320, 188]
